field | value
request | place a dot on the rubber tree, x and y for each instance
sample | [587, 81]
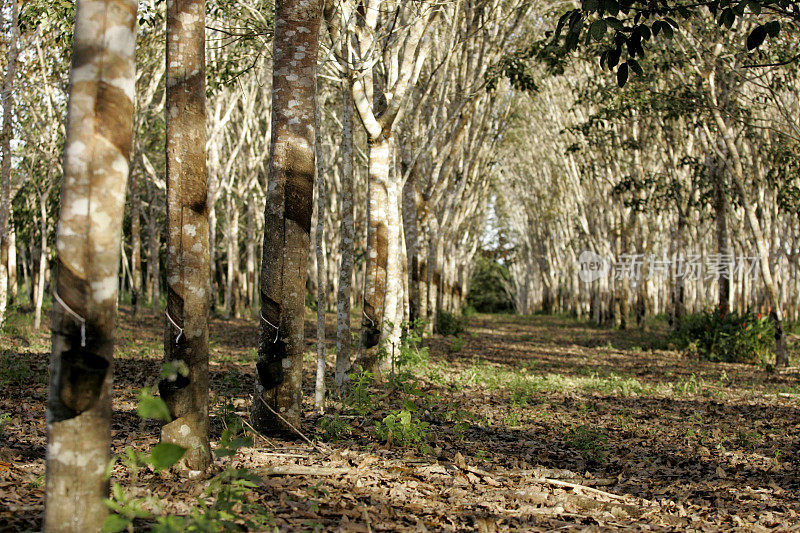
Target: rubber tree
[287, 216]
[379, 111]
[338, 18]
[96, 159]
[344, 342]
[736, 167]
[185, 390]
[5, 165]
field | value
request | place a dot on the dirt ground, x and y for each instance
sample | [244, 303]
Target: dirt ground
[524, 424]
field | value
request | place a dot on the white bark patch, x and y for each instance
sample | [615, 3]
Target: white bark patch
[79, 207]
[120, 40]
[200, 292]
[104, 289]
[120, 164]
[185, 430]
[188, 19]
[126, 84]
[190, 230]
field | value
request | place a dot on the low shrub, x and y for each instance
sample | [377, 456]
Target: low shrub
[402, 429]
[590, 442]
[448, 323]
[411, 353]
[456, 345]
[731, 338]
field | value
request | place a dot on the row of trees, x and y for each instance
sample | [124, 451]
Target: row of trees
[693, 166]
[178, 112]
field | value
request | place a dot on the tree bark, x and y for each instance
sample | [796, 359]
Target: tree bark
[13, 284]
[410, 230]
[136, 247]
[393, 300]
[5, 166]
[369, 357]
[232, 245]
[344, 341]
[287, 216]
[154, 259]
[251, 252]
[40, 278]
[723, 245]
[188, 269]
[322, 272]
[96, 157]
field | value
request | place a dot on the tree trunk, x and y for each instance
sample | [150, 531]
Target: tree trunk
[40, 279]
[5, 166]
[344, 341]
[96, 156]
[12, 262]
[410, 230]
[231, 283]
[322, 273]
[434, 275]
[679, 295]
[251, 252]
[723, 246]
[188, 270]
[393, 315]
[212, 247]
[136, 248]
[287, 216]
[26, 273]
[154, 259]
[369, 357]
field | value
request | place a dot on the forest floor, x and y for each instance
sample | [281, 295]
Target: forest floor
[522, 424]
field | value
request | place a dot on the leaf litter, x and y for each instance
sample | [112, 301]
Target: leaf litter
[535, 424]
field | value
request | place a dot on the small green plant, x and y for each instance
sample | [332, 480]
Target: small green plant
[448, 323]
[691, 385]
[403, 429]
[483, 455]
[226, 504]
[435, 375]
[749, 440]
[163, 456]
[333, 428]
[520, 396]
[731, 338]
[410, 352]
[230, 508]
[460, 420]
[359, 398]
[456, 345]
[592, 443]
